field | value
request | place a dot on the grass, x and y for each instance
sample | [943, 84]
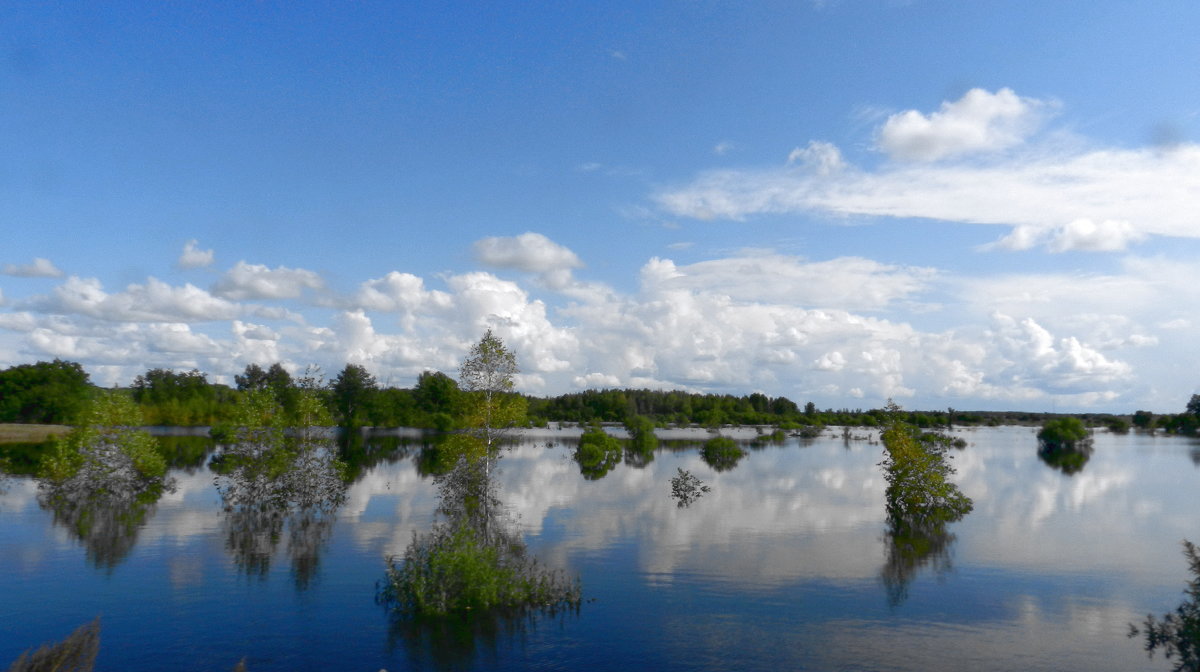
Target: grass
[14, 433]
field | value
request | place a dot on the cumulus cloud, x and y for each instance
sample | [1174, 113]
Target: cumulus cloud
[194, 257]
[533, 253]
[40, 268]
[155, 301]
[979, 121]
[823, 158]
[256, 281]
[529, 251]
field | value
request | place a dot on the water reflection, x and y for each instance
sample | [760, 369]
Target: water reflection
[268, 486]
[1069, 461]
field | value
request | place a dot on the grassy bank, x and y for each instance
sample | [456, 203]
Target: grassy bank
[13, 433]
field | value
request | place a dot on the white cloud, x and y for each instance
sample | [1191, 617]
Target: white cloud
[194, 257]
[256, 281]
[1080, 234]
[724, 147]
[40, 268]
[531, 252]
[850, 283]
[154, 301]
[978, 122]
[1060, 195]
[822, 158]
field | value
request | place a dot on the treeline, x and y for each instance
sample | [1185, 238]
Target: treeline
[56, 392]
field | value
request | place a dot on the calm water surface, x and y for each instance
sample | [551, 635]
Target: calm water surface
[785, 564]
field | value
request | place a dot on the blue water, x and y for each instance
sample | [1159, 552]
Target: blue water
[778, 567]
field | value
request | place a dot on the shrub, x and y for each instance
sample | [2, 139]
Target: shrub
[722, 453]
[1063, 434]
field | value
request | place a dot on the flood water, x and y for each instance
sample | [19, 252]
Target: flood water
[785, 564]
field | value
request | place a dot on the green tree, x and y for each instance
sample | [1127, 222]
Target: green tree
[1143, 420]
[353, 390]
[438, 399]
[46, 392]
[1064, 434]
[486, 375]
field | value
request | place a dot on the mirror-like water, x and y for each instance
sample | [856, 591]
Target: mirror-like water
[785, 564]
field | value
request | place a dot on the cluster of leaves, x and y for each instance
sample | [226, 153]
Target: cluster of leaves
[686, 488]
[281, 471]
[1067, 433]
[472, 560]
[722, 453]
[102, 478]
[1177, 634]
[921, 501]
[54, 392]
[597, 453]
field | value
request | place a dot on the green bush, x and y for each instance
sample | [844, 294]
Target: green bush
[1063, 434]
[721, 453]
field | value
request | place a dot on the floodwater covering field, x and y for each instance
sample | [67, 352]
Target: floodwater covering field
[785, 564]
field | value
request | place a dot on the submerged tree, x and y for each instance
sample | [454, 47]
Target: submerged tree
[102, 480]
[921, 501]
[281, 473]
[686, 488]
[722, 453]
[1177, 634]
[597, 453]
[473, 561]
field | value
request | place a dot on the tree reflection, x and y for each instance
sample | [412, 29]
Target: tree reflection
[102, 480]
[1069, 461]
[921, 502]
[1177, 633]
[275, 479]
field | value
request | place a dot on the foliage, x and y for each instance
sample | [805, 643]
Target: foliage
[1143, 420]
[280, 473]
[471, 562]
[354, 390]
[1067, 433]
[642, 439]
[921, 501]
[486, 375]
[102, 479]
[597, 453]
[721, 453]
[686, 488]
[182, 399]
[438, 400]
[1070, 461]
[919, 491]
[46, 392]
[1177, 634]
[76, 653]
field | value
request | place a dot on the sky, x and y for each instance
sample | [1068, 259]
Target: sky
[985, 205]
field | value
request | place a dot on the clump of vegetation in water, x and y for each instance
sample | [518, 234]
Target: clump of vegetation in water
[597, 453]
[686, 488]
[921, 501]
[1177, 634]
[1064, 434]
[471, 561]
[721, 453]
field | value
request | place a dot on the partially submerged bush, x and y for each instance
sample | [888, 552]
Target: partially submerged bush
[471, 560]
[597, 453]
[686, 488]
[1063, 434]
[721, 453]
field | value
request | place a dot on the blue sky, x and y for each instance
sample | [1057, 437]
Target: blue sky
[980, 205]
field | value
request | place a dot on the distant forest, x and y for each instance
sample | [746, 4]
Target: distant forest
[56, 392]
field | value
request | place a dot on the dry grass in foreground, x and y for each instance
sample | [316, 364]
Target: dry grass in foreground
[13, 433]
